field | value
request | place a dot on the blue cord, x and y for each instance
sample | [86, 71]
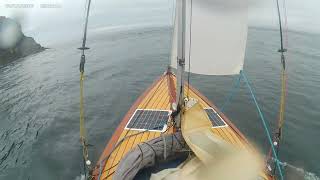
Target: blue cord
[264, 124]
[231, 93]
[100, 170]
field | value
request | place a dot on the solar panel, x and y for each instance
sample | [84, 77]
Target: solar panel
[145, 119]
[215, 118]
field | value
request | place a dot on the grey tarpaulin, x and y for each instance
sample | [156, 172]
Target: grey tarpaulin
[147, 154]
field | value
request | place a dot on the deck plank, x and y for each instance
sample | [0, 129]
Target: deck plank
[119, 154]
[158, 97]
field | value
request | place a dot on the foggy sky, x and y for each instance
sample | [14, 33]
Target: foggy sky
[47, 24]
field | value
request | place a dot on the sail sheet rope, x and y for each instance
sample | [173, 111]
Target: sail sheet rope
[216, 155]
[264, 122]
[104, 160]
[274, 147]
[190, 44]
[232, 93]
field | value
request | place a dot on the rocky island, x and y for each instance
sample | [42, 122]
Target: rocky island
[13, 43]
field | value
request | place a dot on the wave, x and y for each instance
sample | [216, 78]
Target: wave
[117, 28]
[293, 172]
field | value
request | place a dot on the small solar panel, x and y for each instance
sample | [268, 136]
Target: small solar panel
[215, 119]
[153, 120]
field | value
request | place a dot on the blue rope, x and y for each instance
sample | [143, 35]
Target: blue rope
[264, 124]
[100, 170]
[231, 93]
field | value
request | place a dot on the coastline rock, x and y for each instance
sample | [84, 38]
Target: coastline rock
[13, 43]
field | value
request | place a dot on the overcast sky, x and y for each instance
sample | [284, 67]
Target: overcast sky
[66, 19]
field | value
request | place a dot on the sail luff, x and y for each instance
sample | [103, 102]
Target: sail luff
[215, 36]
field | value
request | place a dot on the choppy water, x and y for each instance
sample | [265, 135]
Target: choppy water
[39, 99]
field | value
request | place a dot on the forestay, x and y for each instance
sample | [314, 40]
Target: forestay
[215, 36]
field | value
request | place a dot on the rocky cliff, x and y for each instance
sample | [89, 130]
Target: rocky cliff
[13, 43]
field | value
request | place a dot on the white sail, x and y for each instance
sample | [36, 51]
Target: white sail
[215, 36]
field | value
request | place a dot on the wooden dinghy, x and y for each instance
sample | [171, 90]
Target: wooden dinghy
[155, 105]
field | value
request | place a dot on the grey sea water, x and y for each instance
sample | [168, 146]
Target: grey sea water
[39, 98]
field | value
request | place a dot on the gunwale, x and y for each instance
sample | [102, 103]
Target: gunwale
[231, 134]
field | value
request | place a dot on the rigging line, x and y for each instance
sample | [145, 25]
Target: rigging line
[109, 168]
[116, 146]
[190, 38]
[280, 26]
[120, 142]
[283, 70]
[172, 23]
[285, 23]
[81, 68]
[131, 135]
[84, 40]
[286, 39]
[282, 100]
[85, 12]
[145, 105]
[153, 93]
[264, 124]
[278, 134]
[233, 91]
[101, 172]
[284, 74]
[108, 175]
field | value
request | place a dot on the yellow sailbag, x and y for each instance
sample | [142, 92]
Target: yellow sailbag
[214, 158]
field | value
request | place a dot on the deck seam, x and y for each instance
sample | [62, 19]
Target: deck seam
[152, 92]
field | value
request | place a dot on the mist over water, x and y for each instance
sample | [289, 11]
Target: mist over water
[39, 98]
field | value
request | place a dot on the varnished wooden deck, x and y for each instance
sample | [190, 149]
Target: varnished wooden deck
[159, 96]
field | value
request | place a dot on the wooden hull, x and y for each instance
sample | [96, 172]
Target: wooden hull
[159, 96]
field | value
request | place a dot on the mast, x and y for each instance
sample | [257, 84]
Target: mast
[180, 55]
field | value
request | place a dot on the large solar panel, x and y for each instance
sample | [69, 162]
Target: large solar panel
[145, 119]
[215, 119]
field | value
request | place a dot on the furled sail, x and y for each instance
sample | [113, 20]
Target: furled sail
[215, 36]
